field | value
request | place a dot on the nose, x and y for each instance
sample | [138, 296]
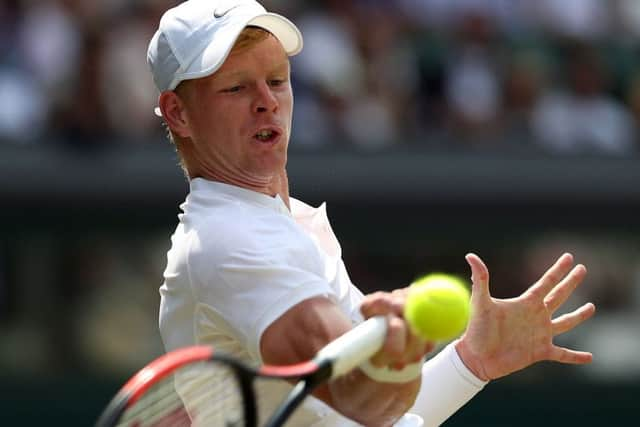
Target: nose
[265, 99]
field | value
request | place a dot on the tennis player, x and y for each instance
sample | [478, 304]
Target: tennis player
[258, 274]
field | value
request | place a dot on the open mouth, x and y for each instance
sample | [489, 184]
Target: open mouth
[266, 135]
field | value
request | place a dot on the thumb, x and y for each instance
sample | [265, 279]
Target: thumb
[479, 278]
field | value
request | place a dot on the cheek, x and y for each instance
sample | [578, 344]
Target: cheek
[286, 106]
[214, 123]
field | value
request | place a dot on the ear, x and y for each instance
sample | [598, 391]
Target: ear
[174, 114]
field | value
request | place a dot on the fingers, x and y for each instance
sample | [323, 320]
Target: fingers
[552, 276]
[574, 357]
[401, 347]
[395, 343]
[383, 303]
[565, 323]
[389, 305]
[568, 321]
[561, 292]
[479, 277]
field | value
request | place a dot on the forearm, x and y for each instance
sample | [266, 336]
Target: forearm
[369, 402]
[447, 385]
[307, 327]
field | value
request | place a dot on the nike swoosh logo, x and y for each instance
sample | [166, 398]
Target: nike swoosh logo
[218, 14]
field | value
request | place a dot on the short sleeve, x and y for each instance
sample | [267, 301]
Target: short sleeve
[251, 273]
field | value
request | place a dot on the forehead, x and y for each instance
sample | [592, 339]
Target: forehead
[260, 55]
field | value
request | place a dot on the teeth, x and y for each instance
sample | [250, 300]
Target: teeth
[264, 134]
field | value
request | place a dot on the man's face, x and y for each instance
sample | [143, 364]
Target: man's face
[239, 118]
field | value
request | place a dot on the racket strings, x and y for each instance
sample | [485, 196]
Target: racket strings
[160, 406]
[197, 395]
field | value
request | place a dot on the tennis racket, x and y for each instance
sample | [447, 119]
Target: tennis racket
[195, 386]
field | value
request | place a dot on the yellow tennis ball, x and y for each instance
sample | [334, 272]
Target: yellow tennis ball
[437, 307]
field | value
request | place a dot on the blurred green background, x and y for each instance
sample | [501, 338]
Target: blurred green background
[430, 128]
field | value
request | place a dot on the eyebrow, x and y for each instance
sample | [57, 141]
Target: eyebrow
[241, 74]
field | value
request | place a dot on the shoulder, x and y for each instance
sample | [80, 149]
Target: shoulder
[246, 228]
[220, 215]
[235, 234]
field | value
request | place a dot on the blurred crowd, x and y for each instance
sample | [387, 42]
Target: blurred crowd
[562, 76]
[559, 76]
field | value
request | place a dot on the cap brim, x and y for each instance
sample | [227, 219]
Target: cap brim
[283, 29]
[214, 55]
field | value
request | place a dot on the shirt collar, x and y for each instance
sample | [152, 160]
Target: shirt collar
[200, 187]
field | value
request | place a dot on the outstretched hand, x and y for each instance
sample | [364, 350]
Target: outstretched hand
[507, 335]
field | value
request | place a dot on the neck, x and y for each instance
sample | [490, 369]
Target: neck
[275, 185]
[280, 185]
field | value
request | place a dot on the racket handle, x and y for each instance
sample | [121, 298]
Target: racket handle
[355, 346]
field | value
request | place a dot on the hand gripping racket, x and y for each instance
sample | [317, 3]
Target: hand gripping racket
[195, 386]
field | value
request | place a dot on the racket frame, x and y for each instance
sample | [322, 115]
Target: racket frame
[335, 359]
[166, 365]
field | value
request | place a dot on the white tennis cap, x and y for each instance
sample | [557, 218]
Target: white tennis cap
[194, 38]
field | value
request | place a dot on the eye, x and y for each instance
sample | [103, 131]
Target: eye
[232, 89]
[277, 82]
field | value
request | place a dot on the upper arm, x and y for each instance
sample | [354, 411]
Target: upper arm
[250, 279]
[302, 331]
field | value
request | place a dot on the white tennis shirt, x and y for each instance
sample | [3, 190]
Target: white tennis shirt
[240, 259]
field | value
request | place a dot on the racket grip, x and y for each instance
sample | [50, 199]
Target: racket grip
[355, 346]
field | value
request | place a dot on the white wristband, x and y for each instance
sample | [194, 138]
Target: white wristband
[385, 375]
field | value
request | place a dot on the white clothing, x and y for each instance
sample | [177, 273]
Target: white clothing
[566, 123]
[239, 260]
